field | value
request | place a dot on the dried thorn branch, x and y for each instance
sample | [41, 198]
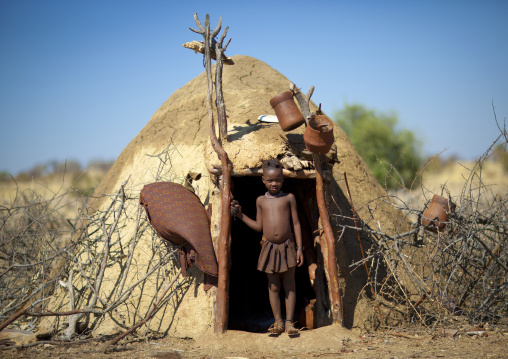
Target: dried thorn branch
[150, 313]
[129, 260]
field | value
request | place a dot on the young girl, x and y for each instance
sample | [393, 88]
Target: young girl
[279, 255]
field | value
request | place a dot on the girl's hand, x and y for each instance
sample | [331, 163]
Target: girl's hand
[299, 257]
[236, 209]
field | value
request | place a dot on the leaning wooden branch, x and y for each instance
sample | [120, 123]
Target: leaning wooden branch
[221, 310]
[12, 318]
[333, 280]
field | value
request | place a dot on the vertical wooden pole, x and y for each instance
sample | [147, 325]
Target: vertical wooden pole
[222, 297]
[333, 280]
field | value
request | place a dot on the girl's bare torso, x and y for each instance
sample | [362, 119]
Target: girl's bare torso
[276, 214]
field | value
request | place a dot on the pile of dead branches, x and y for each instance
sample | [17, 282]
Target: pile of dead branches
[429, 278]
[46, 255]
[34, 240]
[104, 247]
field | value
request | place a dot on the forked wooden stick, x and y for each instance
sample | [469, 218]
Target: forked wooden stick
[222, 298]
[333, 280]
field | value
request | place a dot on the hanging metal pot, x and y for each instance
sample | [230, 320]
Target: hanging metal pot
[287, 112]
[318, 136]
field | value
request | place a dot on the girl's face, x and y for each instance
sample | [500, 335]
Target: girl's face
[273, 179]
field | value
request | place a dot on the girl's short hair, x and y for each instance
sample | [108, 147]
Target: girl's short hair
[271, 164]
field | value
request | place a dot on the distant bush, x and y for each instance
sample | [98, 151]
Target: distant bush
[81, 181]
[438, 163]
[69, 166]
[4, 176]
[103, 166]
[392, 154]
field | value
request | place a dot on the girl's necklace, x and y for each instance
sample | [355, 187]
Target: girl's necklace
[280, 194]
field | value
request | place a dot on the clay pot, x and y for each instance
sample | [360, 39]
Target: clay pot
[436, 212]
[318, 136]
[287, 112]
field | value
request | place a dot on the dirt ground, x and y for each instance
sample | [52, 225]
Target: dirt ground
[326, 342]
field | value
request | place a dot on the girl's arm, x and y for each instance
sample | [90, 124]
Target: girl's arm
[297, 230]
[256, 225]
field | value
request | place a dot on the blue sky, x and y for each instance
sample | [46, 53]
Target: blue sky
[79, 79]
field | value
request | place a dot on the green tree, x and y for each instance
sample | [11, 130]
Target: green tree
[4, 176]
[392, 154]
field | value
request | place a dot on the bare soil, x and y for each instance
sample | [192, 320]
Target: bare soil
[326, 342]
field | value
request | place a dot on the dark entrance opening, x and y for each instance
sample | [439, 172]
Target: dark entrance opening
[249, 307]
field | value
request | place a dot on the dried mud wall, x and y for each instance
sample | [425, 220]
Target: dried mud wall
[171, 145]
[175, 141]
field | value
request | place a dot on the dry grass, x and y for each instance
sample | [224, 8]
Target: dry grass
[451, 177]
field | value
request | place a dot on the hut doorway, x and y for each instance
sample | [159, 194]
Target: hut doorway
[249, 308]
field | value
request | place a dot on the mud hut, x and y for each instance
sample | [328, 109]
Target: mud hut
[174, 144]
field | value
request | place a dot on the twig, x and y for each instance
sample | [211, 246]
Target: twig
[150, 312]
[403, 335]
[489, 251]
[44, 342]
[133, 246]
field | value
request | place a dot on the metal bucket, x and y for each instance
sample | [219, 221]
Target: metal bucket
[318, 136]
[287, 112]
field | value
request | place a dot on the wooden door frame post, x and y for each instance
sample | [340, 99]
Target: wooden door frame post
[333, 278]
[222, 296]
